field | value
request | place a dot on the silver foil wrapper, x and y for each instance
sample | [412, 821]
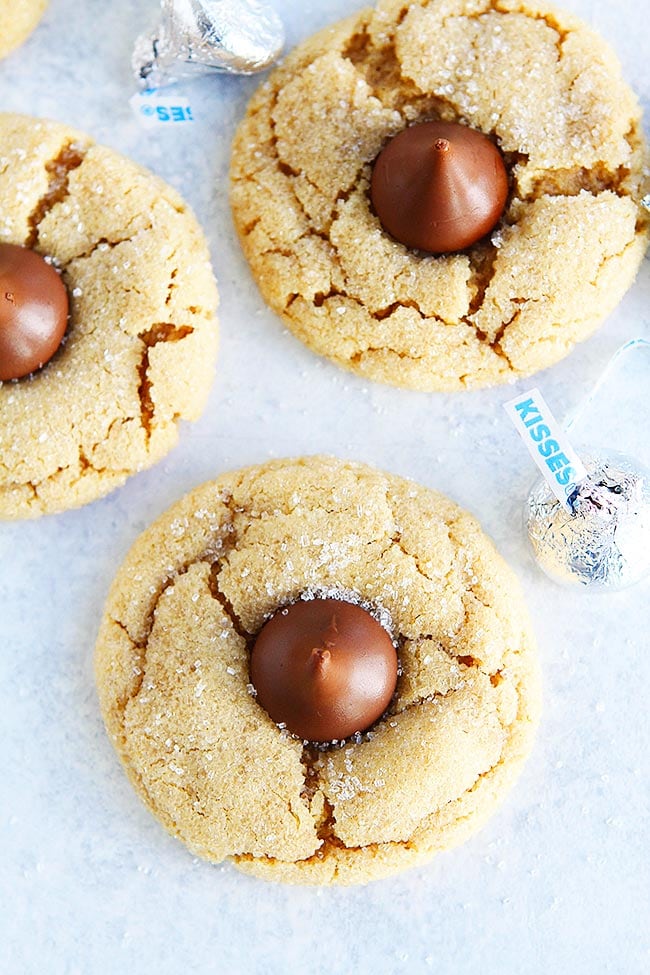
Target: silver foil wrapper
[604, 541]
[203, 36]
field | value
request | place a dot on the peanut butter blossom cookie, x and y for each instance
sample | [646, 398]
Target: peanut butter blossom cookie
[18, 18]
[443, 194]
[107, 329]
[319, 671]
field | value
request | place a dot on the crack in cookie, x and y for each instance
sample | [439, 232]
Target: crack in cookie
[70, 157]
[161, 332]
[131, 255]
[568, 128]
[173, 673]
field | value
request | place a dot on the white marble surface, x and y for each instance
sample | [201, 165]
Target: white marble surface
[89, 882]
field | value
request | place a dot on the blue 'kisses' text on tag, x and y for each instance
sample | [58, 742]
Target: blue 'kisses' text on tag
[547, 443]
[154, 109]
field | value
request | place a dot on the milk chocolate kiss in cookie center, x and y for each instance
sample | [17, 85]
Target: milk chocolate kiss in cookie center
[439, 186]
[33, 311]
[325, 668]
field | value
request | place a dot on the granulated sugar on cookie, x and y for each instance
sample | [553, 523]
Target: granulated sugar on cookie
[141, 342]
[175, 685]
[545, 89]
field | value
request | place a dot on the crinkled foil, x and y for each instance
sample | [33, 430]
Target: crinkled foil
[203, 36]
[604, 542]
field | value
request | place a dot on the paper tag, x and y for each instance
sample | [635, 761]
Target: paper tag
[547, 444]
[158, 109]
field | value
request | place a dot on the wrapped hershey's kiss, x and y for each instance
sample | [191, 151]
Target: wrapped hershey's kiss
[204, 36]
[603, 540]
[588, 519]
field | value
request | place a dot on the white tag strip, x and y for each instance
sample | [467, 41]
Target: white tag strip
[547, 444]
[155, 109]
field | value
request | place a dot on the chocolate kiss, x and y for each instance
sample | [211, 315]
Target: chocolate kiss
[325, 668]
[204, 36]
[439, 186]
[33, 311]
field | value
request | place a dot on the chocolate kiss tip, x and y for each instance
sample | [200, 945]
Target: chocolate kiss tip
[320, 659]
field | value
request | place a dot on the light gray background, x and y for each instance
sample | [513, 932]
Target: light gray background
[90, 883]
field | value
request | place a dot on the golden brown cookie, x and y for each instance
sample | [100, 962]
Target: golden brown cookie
[18, 18]
[172, 667]
[141, 342]
[538, 82]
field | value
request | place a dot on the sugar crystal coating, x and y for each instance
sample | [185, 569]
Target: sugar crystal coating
[540, 84]
[173, 672]
[141, 343]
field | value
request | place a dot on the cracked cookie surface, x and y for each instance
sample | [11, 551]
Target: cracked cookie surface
[548, 91]
[139, 351]
[18, 18]
[172, 668]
